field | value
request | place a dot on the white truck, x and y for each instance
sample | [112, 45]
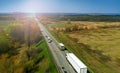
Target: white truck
[78, 65]
[61, 46]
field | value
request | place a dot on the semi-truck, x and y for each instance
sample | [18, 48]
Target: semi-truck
[61, 46]
[77, 64]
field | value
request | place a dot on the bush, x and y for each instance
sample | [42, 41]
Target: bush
[5, 45]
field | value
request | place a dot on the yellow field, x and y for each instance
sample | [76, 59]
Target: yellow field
[106, 40]
[98, 48]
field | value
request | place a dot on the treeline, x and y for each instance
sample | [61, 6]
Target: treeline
[98, 18]
[7, 18]
[15, 56]
[18, 34]
[81, 17]
[25, 33]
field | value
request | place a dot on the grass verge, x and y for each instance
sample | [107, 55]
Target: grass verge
[47, 65]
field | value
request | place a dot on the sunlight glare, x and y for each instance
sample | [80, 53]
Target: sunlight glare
[31, 6]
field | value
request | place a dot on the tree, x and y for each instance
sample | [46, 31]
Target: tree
[5, 45]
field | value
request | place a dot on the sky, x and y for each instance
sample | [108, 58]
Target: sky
[60, 6]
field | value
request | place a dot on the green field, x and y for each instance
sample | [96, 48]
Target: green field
[98, 48]
[48, 63]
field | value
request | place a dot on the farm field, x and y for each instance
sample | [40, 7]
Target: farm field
[96, 43]
[60, 36]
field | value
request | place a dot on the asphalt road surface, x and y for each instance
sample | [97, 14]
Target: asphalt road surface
[62, 64]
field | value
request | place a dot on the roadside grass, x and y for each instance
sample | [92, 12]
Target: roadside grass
[47, 65]
[97, 63]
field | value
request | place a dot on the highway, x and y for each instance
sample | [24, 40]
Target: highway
[59, 56]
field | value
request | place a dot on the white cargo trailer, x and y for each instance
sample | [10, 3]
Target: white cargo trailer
[62, 47]
[78, 65]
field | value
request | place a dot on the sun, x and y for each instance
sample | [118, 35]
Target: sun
[31, 6]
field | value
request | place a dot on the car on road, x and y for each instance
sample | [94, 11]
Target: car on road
[61, 46]
[50, 41]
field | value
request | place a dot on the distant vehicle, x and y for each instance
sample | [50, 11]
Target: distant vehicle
[78, 65]
[64, 70]
[41, 30]
[49, 41]
[48, 37]
[61, 46]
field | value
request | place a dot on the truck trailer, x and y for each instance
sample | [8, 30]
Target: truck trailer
[77, 64]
